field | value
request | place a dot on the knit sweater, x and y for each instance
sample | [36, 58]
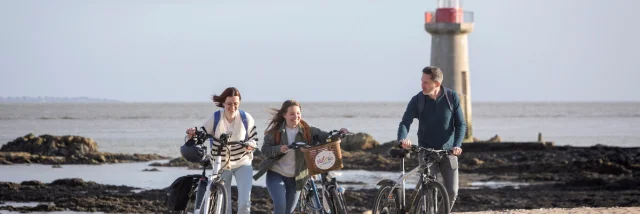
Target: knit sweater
[240, 156]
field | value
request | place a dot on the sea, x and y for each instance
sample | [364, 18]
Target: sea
[127, 127]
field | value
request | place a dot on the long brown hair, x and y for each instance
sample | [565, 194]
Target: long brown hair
[229, 92]
[278, 117]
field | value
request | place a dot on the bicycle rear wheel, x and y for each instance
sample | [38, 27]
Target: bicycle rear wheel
[387, 202]
[218, 199]
[433, 199]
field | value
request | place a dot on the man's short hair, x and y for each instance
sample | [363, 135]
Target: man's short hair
[435, 72]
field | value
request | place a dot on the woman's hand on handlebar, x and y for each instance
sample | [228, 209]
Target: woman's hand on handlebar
[251, 145]
[191, 132]
[284, 148]
[344, 130]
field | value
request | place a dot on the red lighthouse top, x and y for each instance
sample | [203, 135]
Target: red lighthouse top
[448, 11]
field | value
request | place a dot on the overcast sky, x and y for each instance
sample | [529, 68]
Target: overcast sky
[373, 50]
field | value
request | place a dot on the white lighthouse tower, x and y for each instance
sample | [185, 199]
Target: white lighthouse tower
[449, 26]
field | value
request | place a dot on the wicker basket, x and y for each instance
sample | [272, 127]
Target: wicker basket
[323, 158]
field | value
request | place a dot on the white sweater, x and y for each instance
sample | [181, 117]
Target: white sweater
[239, 155]
[286, 165]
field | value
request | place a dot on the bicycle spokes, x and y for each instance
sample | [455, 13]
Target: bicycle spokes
[432, 201]
[386, 202]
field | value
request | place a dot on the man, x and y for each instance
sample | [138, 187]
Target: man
[441, 125]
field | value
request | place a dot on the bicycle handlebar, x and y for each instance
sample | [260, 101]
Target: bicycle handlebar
[334, 135]
[402, 153]
[298, 145]
[202, 136]
[416, 149]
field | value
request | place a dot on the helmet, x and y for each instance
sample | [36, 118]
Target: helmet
[193, 153]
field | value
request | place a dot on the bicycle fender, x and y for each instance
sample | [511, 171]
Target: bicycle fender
[213, 186]
[388, 182]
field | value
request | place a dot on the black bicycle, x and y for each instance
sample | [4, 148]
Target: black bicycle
[330, 198]
[430, 196]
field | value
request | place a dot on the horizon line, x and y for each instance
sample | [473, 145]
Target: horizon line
[86, 99]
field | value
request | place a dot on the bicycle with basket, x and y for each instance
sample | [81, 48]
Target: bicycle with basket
[321, 159]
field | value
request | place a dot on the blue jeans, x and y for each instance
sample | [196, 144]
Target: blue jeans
[244, 182]
[283, 192]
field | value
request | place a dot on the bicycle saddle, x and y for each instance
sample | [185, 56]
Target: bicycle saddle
[399, 153]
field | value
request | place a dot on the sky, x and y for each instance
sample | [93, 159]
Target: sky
[332, 50]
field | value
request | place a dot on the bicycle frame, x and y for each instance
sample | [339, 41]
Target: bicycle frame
[216, 162]
[326, 184]
[316, 196]
[202, 198]
[418, 170]
[423, 170]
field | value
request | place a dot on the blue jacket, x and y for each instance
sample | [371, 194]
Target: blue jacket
[441, 122]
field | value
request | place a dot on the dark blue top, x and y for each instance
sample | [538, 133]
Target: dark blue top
[438, 127]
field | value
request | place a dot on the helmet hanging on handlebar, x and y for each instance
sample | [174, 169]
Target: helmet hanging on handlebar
[192, 152]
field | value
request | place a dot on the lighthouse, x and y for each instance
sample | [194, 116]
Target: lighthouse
[449, 26]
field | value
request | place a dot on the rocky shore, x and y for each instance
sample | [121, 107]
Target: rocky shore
[558, 177]
[78, 195]
[505, 161]
[69, 149]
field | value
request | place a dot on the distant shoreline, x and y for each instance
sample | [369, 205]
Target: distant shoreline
[19, 100]
[46, 99]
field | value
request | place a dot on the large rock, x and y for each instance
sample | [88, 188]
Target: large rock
[358, 141]
[494, 139]
[69, 149]
[178, 162]
[49, 145]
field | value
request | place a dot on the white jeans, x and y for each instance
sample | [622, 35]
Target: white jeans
[244, 182]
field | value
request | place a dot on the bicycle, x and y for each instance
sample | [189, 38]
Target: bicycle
[332, 194]
[430, 196]
[208, 194]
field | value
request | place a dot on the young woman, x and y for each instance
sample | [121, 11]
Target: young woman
[286, 170]
[240, 124]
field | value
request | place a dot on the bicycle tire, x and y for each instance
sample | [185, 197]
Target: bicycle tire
[338, 204]
[218, 190]
[381, 196]
[307, 203]
[434, 185]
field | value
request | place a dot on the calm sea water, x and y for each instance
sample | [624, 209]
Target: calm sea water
[159, 127]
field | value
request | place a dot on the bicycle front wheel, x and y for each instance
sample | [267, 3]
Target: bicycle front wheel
[218, 199]
[387, 202]
[338, 205]
[307, 202]
[191, 204]
[433, 199]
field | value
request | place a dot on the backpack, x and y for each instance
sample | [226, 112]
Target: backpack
[178, 193]
[243, 116]
[421, 100]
